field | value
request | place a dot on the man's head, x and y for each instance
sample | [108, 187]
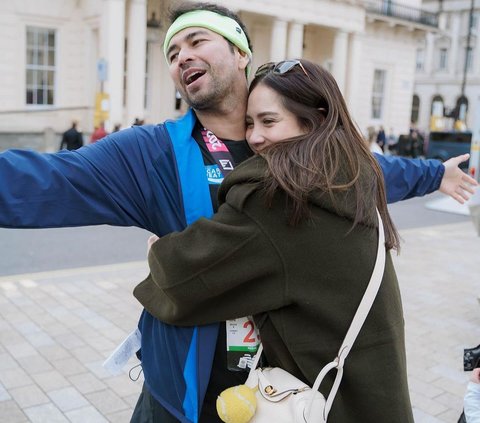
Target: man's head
[235, 36]
[208, 52]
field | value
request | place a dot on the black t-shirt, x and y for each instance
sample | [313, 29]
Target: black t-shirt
[221, 378]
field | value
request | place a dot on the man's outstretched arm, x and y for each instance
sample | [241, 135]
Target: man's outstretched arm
[407, 178]
[99, 184]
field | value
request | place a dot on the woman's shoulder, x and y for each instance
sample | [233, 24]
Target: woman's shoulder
[245, 180]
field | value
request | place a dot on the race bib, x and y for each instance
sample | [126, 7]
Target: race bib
[242, 343]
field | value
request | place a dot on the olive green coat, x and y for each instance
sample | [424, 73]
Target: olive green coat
[302, 284]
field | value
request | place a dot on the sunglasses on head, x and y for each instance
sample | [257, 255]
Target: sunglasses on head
[280, 67]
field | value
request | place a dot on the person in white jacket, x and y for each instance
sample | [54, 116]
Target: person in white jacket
[471, 402]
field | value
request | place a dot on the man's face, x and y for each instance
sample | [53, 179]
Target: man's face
[204, 67]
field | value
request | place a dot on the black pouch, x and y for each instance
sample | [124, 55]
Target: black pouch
[471, 358]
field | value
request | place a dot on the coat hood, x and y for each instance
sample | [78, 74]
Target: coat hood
[249, 176]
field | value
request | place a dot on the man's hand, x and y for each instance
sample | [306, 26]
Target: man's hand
[456, 183]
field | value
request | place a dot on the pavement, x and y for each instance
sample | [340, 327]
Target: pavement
[57, 328]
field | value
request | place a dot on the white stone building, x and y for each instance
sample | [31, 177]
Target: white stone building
[57, 55]
[444, 64]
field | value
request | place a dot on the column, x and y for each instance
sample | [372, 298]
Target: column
[340, 51]
[112, 46]
[278, 41]
[429, 54]
[136, 58]
[476, 55]
[295, 41]
[353, 90]
[156, 75]
[456, 60]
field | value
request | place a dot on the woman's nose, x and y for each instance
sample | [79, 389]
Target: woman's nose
[255, 138]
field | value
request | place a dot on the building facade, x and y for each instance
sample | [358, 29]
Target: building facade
[102, 60]
[447, 81]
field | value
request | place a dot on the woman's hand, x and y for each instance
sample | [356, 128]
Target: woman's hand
[150, 242]
[456, 183]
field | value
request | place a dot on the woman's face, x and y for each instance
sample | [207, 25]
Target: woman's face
[268, 122]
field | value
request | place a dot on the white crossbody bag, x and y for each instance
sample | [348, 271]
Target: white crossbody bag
[281, 397]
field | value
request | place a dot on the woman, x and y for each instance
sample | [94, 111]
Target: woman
[294, 244]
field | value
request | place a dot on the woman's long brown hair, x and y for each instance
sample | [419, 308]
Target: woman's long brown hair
[330, 156]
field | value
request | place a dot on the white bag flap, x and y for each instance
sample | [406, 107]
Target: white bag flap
[275, 384]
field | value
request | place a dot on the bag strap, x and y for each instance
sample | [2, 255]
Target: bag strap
[355, 326]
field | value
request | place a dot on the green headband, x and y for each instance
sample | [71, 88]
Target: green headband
[223, 25]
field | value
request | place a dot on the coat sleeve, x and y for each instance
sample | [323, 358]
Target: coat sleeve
[407, 178]
[214, 270]
[471, 403]
[104, 183]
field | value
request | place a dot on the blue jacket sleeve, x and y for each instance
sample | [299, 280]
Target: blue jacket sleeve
[109, 182]
[407, 178]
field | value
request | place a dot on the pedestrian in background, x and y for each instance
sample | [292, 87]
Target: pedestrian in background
[381, 138]
[72, 138]
[372, 141]
[392, 141]
[98, 133]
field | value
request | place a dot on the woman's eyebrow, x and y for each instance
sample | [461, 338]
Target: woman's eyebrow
[267, 113]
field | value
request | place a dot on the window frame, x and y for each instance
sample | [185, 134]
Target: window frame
[420, 60]
[415, 112]
[40, 66]
[378, 95]
[469, 59]
[443, 59]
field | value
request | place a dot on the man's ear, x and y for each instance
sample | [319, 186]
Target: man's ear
[244, 59]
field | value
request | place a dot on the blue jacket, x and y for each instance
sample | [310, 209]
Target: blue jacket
[152, 177]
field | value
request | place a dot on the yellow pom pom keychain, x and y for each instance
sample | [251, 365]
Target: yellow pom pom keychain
[237, 404]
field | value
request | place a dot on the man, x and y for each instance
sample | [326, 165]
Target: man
[162, 178]
[72, 138]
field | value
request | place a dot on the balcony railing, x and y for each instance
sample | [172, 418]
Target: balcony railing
[399, 11]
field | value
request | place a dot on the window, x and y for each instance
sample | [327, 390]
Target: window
[420, 59]
[474, 21]
[415, 108]
[461, 108]
[378, 93]
[469, 62]
[437, 106]
[387, 7]
[448, 20]
[40, 69]
[442, 59]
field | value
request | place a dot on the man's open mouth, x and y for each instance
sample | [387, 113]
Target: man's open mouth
[191, 76]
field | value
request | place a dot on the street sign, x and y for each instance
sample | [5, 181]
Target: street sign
[102, 109]
[102, 70]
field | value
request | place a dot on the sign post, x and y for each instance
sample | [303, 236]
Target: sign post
[102, 99]
[474, 164]
[473, 168]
